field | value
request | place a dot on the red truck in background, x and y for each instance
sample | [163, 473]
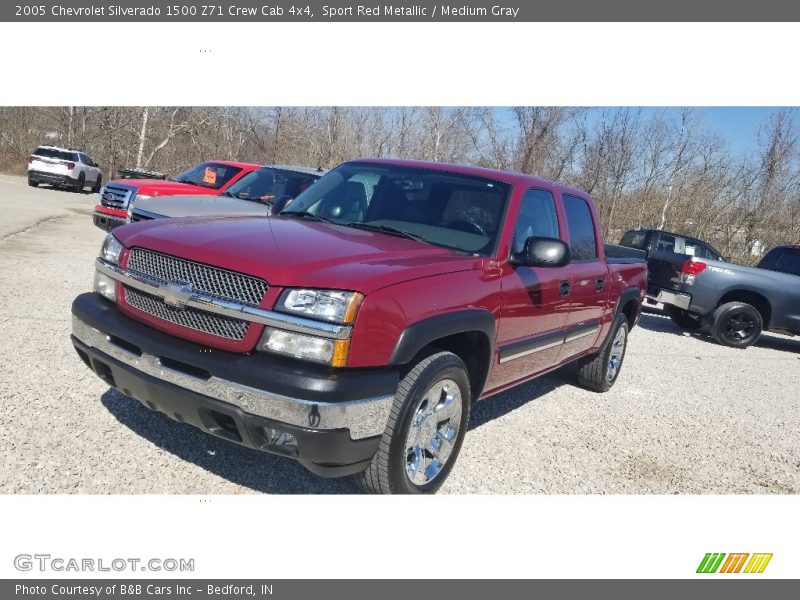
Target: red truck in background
[354, 330]
[208, 178]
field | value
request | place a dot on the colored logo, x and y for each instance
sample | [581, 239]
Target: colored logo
[719, 562]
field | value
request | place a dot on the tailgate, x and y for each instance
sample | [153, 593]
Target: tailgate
[664, 270]
[49, 165]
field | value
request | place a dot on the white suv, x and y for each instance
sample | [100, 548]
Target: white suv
[63, 167]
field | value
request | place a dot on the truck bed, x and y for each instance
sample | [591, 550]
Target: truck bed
[622, 255]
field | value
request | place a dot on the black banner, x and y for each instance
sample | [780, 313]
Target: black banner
[403, 11]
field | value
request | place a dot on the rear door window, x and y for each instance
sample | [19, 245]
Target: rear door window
[666, 243]
[699, 250]
[583, 242]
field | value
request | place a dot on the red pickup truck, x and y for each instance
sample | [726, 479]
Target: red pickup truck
[354, 330]
[208, 178]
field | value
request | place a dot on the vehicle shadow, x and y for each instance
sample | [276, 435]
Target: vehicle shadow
[503, 403]
[258, 471]
[656, 320]
[271, 474]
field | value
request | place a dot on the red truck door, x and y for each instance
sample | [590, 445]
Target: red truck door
[588, 277]
[535, 307]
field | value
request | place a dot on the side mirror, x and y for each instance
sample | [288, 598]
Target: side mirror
[542, 252]
[278, 204]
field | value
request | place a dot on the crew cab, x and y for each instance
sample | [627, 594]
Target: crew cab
[354, 330]
[208, 178]
[260, 193]
[736, 302]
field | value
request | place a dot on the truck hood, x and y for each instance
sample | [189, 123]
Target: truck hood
[290, 252]
[201, 206]
[160, 187]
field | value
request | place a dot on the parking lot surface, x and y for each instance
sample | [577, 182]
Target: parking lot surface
[686, 415]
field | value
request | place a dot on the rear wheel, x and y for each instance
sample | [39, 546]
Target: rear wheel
[425, 430]
[600, 372]
[736, 324]
[97, 184]
[683, 318]
[81, 183]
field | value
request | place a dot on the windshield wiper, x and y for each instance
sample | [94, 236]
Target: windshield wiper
[304, 214]
[230, 195]
[387, 229]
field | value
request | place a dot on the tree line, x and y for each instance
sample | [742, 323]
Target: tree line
[645, 168]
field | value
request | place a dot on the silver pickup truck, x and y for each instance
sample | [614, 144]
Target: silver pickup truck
[735, 301]
[261, 193]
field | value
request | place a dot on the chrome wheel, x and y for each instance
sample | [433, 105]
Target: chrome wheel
[616, 354]
[433, 431]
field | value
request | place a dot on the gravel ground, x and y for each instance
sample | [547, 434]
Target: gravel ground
[686, 416]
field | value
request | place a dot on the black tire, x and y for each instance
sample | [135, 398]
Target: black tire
[80, 184]
[736, 324]
[683, 318]
[388, 473]
[97, 184]
[32, 183]
[598, 373]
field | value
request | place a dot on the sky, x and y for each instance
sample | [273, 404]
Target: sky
[739, 125]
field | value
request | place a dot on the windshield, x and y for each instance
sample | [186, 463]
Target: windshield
[456, 211]
[210, 175]
[268, 183]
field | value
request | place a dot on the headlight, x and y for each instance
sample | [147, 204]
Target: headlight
[326, 305]
[111, 249]
[305, 347]
[105, 286]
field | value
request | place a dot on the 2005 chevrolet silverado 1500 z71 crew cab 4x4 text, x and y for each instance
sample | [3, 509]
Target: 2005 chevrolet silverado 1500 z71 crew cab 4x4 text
[354, 330]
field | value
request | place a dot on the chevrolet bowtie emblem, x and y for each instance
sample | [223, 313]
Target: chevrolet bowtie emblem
[176, 294]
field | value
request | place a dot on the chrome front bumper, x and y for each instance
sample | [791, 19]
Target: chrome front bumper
[363, 418]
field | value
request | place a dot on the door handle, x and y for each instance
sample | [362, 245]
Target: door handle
[600, 284]
[564, 288]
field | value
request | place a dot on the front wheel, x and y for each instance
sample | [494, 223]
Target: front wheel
[736, 324]
[599, 372]
[425, 430]
[683, 318]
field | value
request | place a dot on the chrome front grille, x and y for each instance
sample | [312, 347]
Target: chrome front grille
[114, 196]
[224, 284]
[139, 216]
[205, 279]
[199, 320]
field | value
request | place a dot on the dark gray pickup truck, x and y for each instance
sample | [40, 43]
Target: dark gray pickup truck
[736, 302]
